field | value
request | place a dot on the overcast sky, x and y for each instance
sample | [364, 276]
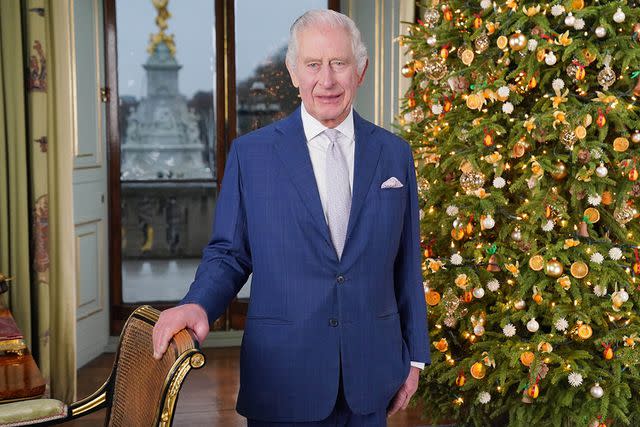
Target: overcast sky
[261, 28]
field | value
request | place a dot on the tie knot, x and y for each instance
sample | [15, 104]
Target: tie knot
[332, 134]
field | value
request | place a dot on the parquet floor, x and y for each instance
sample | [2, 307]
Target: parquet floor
[208, 396]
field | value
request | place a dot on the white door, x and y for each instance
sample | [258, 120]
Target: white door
[90, 181]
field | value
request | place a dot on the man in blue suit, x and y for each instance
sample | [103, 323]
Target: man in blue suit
[322, 207]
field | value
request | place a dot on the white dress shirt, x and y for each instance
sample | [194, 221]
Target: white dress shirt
[318, 142]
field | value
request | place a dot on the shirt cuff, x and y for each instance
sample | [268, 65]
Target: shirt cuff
[419, 365]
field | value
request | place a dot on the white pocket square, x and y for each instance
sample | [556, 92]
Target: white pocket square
[392, 182]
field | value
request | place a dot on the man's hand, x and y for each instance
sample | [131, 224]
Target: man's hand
[403, 396]
[175, 319]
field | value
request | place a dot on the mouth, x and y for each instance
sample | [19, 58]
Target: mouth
[328, 99]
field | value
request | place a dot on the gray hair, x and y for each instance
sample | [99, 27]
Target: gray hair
[333, 19]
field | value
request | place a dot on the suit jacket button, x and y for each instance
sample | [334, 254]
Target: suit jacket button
[340, 279]
[333, 322]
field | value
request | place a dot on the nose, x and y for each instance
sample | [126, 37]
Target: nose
[327, 78]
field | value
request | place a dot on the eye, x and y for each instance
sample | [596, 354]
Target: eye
[313, 65]
[338, 64]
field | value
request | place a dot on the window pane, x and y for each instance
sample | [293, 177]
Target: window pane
[264, 90]
[166, 75]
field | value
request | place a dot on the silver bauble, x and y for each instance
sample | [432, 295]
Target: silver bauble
[533, 325]
[596, 391]
[635, 137]
[602, 171]
[516, 235]
[601, 32]
[478, 293]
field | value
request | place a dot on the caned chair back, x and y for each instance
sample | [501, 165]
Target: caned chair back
[142, 391]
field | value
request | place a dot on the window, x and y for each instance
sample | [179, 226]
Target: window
[185, 78]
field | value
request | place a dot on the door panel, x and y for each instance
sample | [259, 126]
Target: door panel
[90, 182]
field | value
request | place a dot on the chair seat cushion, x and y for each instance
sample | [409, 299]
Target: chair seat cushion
[31, 411]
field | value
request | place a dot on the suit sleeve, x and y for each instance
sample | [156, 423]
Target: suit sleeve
[226, 260]
[408, 275]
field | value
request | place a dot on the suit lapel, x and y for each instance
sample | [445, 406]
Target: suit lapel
[367, 153]
[293, 152]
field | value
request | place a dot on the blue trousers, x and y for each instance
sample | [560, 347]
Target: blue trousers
[341, 416]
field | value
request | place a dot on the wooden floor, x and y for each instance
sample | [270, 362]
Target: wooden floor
[208, 397]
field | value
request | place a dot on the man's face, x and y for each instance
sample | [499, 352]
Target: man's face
[325, 73]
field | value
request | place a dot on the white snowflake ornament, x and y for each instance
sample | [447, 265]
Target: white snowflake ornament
[615, 254]
[499, 182]
[484, 397]
[575, 379]
[557, 85]
[600, 290]
[456, 259]
[548, 226]
[597, 258]
[507, 108]
[493, 285]
[509, 330]
[594, 200]
[561, 324]
[557, 10]
[452, 210]
[437, 109]
[503, 91]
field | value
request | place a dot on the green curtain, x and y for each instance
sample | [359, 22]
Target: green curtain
[14, 175]
[36, 167]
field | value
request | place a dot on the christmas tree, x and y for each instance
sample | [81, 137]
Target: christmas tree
[524, 122]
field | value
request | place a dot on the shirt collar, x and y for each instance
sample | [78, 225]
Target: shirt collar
[313, 127]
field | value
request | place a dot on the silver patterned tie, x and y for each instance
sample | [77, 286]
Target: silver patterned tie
[338, 191]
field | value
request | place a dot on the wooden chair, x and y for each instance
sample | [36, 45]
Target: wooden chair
[140, 391]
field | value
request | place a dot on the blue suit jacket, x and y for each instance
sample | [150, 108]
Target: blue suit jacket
[311, 313]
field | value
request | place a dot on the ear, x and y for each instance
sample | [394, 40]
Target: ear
[364, 70]
[292, 74]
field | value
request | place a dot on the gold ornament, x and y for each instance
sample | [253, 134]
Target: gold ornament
[461, 379]
[568, 137]
[579, 269]
[481, 43]
[577, 4]
[553, 268]
[585, 331]
[607, 353]
[633, 174]
[435, 69]
[560, 171]
[472, 181]
[536, 262]
[571, 70]
[518, 41]
[624, 214]
[581, 132]
[418, 65]
[478, 370]
[408, 71]
[592, 214]
[606, 77]
[620, 144]
[431, 17]
[502, 42]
